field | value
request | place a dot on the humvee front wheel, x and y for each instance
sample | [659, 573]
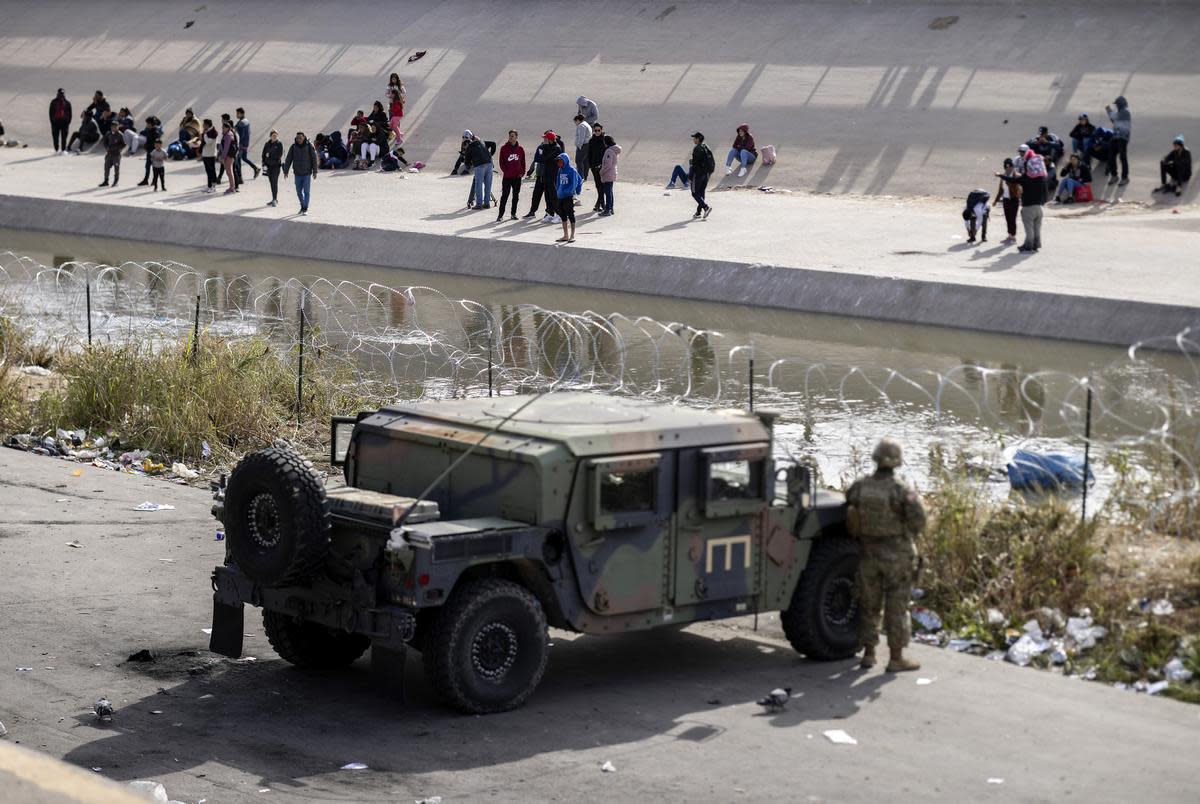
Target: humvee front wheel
[487, 648]
[308, 644]
[822, 620]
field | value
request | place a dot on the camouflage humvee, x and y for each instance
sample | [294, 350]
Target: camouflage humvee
[466, 527]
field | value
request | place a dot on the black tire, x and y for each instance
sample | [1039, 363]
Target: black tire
[276, 517]
[487, 649]
[308, 644]
[822, 620]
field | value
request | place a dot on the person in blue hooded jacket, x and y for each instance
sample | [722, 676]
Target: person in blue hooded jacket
[567, 184]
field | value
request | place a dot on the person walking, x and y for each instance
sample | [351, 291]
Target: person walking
[228, 153]
[608, 173]
[1122, 125]
[303, 157]
[113, 143]
[512, 167]
[1175, 169]
[702, 167]
[479, 160]
[1009, 194]
[742, 150]
[885, 517]
[567, 185]
[272, 158]
[208, 154]
[242, 129]
[595, 160]
[158, 164]
[60, 121]
[588, 110]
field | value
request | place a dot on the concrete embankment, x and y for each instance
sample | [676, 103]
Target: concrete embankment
[1112, 281]
[897, 96]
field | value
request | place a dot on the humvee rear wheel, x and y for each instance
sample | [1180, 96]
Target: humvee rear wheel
[308, 644]
[487, 648]
[822, 620]
[276, 517]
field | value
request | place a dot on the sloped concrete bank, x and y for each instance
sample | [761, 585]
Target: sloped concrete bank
[984, 309]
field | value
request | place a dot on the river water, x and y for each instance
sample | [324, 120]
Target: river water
[838, 383]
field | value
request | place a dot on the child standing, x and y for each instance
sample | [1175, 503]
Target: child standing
[158, 162]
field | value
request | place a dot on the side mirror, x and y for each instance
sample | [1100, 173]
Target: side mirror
[341, 428]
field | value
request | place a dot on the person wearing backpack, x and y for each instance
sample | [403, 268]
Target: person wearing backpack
[60, 121]
[703, 165]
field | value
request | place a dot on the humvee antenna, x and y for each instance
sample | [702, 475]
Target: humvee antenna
[467, 452]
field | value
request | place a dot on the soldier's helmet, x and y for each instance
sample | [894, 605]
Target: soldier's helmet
[887, 454]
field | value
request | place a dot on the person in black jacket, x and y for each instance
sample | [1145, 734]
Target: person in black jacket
[535, 167]
[1081, 138]
[1033, 197]
[60, 121]
[98, 107]
[596, 149]
[303, 157]
[546, 160]
[272, 159]
[114, 143]
[88, 133]
[703, 164]
[151, 134]
[1175, 168]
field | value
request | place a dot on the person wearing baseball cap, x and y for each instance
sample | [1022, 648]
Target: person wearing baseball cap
[702, 167]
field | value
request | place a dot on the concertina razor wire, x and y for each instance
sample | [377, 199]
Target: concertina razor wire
[408, 343]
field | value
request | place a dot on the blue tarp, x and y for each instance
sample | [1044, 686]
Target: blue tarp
[1036, 470]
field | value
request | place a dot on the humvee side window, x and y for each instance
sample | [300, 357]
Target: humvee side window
[623, 491]
[735, 479]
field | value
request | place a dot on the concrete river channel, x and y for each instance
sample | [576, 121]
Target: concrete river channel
[837, 383]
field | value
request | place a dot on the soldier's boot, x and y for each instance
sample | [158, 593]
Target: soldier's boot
[899, 664]
[868, 658]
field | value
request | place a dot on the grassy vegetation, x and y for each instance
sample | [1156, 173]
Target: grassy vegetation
[1021, 556]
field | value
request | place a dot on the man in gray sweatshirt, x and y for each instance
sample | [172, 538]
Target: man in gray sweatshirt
[1122, 123]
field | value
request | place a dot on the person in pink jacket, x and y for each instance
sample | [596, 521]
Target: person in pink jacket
[608, 173]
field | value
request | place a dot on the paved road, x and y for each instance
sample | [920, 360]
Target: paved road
[673, 711]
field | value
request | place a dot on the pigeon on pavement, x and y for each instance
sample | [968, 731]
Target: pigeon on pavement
[104, 709]
[776, 699]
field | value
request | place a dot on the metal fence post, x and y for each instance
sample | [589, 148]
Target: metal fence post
[196, 332]
[751, 384]
[1087, 451]
[300, 367]
[87, 290]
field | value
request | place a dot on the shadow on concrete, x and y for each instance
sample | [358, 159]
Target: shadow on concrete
[1008, 261]
[284, 725]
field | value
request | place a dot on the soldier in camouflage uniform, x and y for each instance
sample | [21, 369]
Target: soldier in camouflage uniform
[885, 516]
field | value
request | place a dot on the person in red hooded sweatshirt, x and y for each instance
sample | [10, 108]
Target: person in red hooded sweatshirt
[512, 167]
[60, 121]
[742, 150]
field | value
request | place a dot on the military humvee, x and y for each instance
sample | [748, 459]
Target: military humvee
[466, 527]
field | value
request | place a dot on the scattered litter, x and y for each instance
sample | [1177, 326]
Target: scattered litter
[103, 709]
[1157, 687]
[167, 560]
[430, 800]
[63, 499]
[206, 696]
[179, 470]
[1175, 671]
[3, 731]
[926, 619]
[776, 699]
[713, 701]
[995, 780]
[264, 790]
[928, 639]
[77, 473]
[1161, 608]
[354, 766]
[143, 655]
[1084, 634]
[246, 660]
[839, 737]
[608, 767]
[35, 371]
[24, 669]
[220, 536]
[1025, 649]
[924, 682]
[918, 593]
[1058, 651]
[1034, 629]
[152, 468]
[965, 645]
[205, 450]
[156, 711]
[206, 631]
[149, 506]
[74, 543]
[996, 618]
[154, 791]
